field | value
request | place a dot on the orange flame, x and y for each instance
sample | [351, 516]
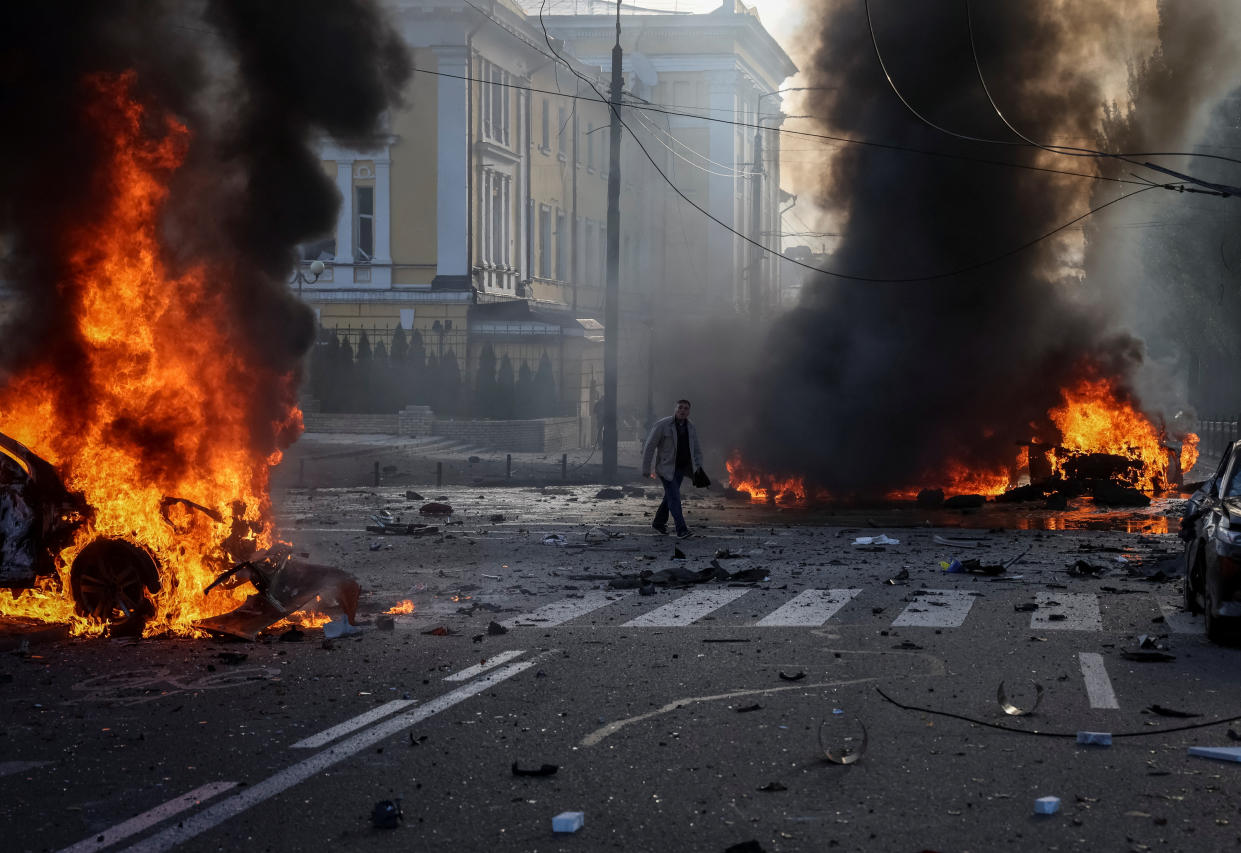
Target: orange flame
[763, 487]
[406, 606]
[156, 406]
[1094, 419]
[1189, 452]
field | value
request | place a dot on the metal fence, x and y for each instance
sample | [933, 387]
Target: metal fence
[1215, 434]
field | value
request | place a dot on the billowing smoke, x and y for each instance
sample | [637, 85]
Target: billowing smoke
[875, 385]
[253, 82]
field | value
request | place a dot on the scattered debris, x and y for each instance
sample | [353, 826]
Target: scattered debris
[384, 622]
[1170, 712]
[411, 495]
[435, 508]
[609, 494]
[798, 676]
[745, 709]
[338, 628]
[846, 754]
[293, 635]
[387, 814]
[899, 578]
[881, 539]
[930, 498]
[1095, 738]
[971, 567]
[495, 629]
[283, 585]
[1082, 569]
[750, 846]
[1011, 709]
[1143, 656]
[726, 554]
[596, 535]
[441, 631]
[496, 518]
[554, 539]
[965, 502]
[232, 658]
[1026, 607]
[568, 821]
[1221, 753]
[542, 770]
[957, 543]
[772, 787]
[1047, 805]
[677, 553]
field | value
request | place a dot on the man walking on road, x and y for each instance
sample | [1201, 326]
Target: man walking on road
[674, 449]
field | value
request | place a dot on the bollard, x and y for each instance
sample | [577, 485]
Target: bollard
[564, 466]
[508, 466]
[376, 474]
[439, 473]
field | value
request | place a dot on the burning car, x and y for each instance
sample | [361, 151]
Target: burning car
[1211, 528]
[39, 517]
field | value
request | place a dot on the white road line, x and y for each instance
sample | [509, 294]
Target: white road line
[687, 609]
[1098, 685]
[213, 816]
[134, 825]
[810, 608]
[1079, 609]
[7, 768]
[491, 663]
[936, 608]
[352, 725]
[1177, 620]
[559, 612]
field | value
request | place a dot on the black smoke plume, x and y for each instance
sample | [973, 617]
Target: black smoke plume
[254, 82]
[871, 386]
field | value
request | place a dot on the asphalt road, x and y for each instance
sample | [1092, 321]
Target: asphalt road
[666, 714]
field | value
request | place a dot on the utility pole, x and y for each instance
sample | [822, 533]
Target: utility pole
[611, 303]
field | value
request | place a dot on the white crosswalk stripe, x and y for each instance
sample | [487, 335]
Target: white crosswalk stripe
[813, 608]
[936, 608]
[687, 609]
[809, 608]
[1067, 611]
[559, 612]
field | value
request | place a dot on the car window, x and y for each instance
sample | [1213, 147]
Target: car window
[1233, 489]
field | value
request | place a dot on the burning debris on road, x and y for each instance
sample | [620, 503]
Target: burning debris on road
[150, 364]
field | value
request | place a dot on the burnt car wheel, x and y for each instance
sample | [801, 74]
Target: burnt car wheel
[110, 579]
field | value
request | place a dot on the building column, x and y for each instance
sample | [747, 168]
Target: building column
[722, 274]
[452, 214]
[381, 272]
[344, 222]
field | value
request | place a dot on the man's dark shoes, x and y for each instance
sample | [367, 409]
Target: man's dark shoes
[661, 528]
[684, 534]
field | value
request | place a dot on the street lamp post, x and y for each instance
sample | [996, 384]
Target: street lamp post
[316, 270]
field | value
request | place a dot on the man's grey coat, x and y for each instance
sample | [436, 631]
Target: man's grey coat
[661, 446]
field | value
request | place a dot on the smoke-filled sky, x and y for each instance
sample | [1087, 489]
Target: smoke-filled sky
[870, 386]
[254, 82]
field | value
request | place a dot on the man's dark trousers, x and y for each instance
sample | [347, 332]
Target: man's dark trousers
[671, 503]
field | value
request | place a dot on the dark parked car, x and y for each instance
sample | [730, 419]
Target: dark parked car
[1211, 528]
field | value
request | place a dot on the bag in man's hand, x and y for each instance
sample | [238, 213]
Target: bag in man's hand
[701, 480]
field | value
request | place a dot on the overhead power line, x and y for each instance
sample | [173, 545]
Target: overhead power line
[821, 270]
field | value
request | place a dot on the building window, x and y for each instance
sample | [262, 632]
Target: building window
[562, 247]
[407, 319]
[547, 120]
[562, 119]
[364, 223]
[495, 102]
[545, 241]
[590, 147]
[495, 193]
